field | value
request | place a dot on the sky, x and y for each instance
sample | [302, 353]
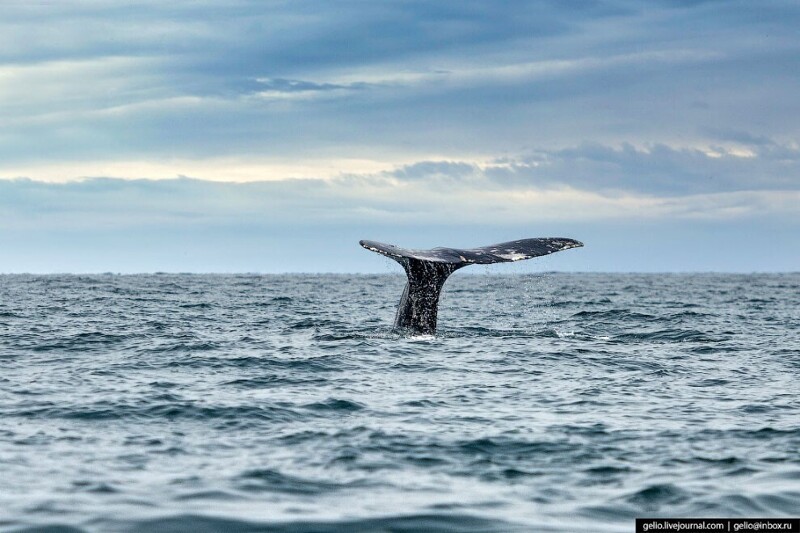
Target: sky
[270, 136]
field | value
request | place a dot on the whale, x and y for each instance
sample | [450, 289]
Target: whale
[427, 270]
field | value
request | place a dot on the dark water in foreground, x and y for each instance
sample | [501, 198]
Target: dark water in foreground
[284, 403]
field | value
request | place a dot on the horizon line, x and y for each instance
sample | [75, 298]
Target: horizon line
[368, 273]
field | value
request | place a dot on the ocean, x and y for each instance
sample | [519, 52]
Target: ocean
[286, 403]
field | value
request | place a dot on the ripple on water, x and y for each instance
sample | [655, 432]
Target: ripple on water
[287, 403]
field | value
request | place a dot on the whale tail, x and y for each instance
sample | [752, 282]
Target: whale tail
[427, 270]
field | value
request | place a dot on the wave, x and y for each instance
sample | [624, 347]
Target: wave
[195, 523]
[334, 404]
[170, 411]
[282, 403]
[268, 480]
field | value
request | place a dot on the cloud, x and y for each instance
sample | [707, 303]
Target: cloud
[392, 81]
[281, 89]
[585, 183]
[409, 114]
[659, 169]
[313, 225]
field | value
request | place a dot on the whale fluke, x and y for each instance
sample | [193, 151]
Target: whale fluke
[427, 270]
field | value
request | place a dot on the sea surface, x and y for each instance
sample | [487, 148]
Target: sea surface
[546, 402]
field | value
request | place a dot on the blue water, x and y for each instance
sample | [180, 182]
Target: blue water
[547, 402]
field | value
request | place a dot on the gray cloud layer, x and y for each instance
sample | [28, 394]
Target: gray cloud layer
[104, 80]
[314, 225]
[499, 117]
[588, 182]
